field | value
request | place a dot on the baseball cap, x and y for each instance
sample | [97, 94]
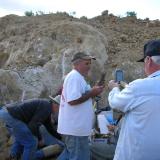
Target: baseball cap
[82, 55]
[151, 48]
[55, 99]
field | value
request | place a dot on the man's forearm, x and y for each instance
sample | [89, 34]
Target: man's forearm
[96, 90]
[121, 100]
[82, 99]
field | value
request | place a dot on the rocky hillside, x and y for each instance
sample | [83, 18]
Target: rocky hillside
[35, 52]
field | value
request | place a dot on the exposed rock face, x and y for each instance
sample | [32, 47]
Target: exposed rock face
[36, 54]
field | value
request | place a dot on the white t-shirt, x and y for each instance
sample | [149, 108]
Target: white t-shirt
[76, 119]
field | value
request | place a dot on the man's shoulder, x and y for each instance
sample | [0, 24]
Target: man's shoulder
[36, 103]
[138, 81]
[73, 75]
[140, 84]
[142, 81]
[73, 72]
[29, 102]
[36, 100]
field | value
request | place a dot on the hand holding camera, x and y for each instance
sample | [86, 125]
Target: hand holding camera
[96, 90]
[119, 80]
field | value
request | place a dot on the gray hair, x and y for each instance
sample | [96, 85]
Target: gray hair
[76, 61]
[156, 59]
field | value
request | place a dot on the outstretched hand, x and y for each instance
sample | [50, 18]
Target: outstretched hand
[96, 90]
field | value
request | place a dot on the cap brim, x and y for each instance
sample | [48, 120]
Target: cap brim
[141, 60]
[84, 58]
[55, 99]
[89, 57]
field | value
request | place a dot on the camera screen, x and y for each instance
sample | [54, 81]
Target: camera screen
[119, 75]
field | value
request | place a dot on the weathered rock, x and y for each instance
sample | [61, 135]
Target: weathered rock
[39, 55]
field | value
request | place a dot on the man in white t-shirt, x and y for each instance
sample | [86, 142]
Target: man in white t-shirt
[76, 111]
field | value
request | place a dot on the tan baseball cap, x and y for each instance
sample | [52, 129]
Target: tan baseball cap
[82, 55]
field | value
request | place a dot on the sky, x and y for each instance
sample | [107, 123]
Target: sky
[88, 8]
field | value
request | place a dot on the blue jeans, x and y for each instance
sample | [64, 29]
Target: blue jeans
[24, 141]
[77, 148]
[48, 140]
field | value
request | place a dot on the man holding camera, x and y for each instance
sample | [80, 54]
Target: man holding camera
[140, 101]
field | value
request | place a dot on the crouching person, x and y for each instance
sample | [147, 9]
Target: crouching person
[24, 119]
[51, 146]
